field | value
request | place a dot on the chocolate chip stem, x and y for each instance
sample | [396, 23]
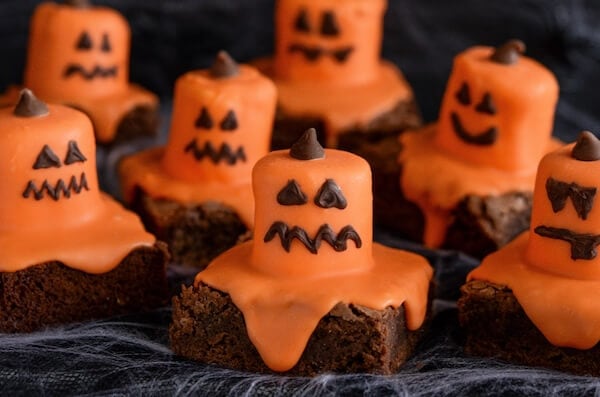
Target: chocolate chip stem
[307, 147]
[79, 3]
[509, 52]
[587, 147]
[224, 66]
[29, 105]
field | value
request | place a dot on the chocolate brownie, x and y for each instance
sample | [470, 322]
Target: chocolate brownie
[404, 115]
[481, 224]
[196, 232]
[51, 293]
[496, 326]
[142, 122]
[208, 327]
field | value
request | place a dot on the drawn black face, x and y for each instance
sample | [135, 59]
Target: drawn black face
[583, 245]
[86, 44]
[327, 28]
[223, 153]
[329, 196]
[486, 106]
[47, 158]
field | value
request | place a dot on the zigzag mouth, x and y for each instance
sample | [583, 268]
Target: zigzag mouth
[97, 71]
[485, 138]
[59, 190]
[337, 242]
[313, 53]
[225, 153]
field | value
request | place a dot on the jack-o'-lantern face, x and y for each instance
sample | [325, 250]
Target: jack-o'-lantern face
[498, 109]
[565, 224]
[221, 123]
[312, 210]
[77, 49]
[328, 39]
[51, 176]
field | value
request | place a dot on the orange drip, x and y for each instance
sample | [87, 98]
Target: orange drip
[282, 312]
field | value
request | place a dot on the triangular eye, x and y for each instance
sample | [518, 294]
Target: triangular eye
[330, 196]
[329, 25]
[486, 105]
[84, 42]
[204, 120]
[105, 47]
[229, 123]
[463, 95]
[46, 159]
[301, 23]
[291, 194]
[74, 155]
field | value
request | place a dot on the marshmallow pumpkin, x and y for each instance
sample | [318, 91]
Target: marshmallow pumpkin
[312, 249]
[78, 55]
[495, 124]
[51, 207]
[553, 269]
[328, 40]
[221, 126]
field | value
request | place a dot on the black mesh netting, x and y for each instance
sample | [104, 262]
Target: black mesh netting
[130, 355]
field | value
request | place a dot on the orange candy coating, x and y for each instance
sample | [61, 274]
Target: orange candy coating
[81, 227]
[358, 25]
[524, 94]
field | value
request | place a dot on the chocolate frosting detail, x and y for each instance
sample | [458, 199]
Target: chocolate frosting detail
[78, 3]
[587, 147]
[583, 246]
[330, 196]
[224, 66]
[307, 147]
[508, 53]
[581, 197]
[30, 106]
[337, 242]
[291, 194]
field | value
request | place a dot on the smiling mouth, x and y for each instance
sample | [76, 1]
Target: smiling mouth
[312, 54]
[337, 242]
[59, 190]
[97, 72]
[486, 138]
[225, 153]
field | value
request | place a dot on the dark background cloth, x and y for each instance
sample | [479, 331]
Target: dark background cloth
[130, 355]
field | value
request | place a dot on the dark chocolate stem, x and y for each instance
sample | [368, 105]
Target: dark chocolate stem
[307, 147]
[29, 105]
[224, 66]
[509, 52]
[587, 147]
[79, 3]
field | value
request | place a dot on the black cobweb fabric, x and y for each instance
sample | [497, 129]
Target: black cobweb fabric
[130, 356]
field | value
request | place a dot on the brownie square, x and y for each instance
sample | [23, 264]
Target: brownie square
[51, 293]
[196, 233]
[209, 328]
[495, 325]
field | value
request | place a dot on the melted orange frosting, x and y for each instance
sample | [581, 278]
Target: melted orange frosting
[284, 294]
[439, 167]
[346, 95]
[54, 47]
[437, 181]
[559, 294]
[174, 173]
[87, 231]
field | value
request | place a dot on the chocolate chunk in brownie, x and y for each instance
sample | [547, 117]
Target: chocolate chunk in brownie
[404, 115]
[209, 328]
[51, 293]
[496, 326]
[196, 233]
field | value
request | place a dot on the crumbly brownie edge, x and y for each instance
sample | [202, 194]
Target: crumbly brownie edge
[52, 293]
[495, 325]
[196, 233]
[209, 328]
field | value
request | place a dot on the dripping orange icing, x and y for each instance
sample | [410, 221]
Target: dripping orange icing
[174, 173]
[439, 167]
[87, 231]
[57, 44]
[283, 295]
[345, 94]
[560, 294]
